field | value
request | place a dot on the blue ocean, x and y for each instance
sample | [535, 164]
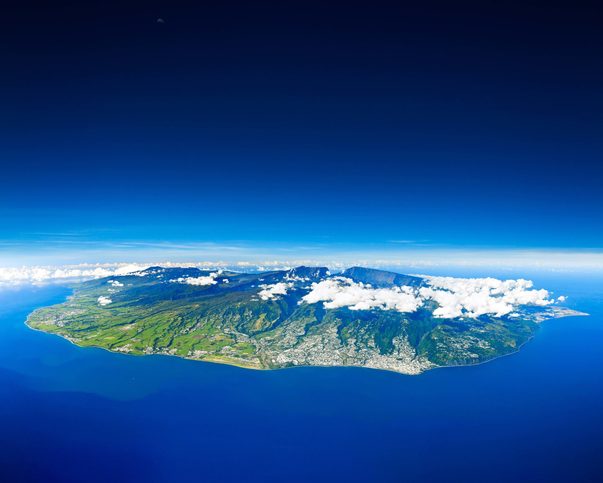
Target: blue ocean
[73, 414]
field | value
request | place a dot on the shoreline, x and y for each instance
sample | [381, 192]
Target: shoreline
[566, 312]
[574, 313]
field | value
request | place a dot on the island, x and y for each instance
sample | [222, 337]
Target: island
[304, 316]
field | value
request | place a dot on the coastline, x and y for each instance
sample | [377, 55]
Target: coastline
[215, 359]
[235, 363]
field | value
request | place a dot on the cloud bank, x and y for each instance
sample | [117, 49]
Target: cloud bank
[39, 275]
[455, 297]
[343, 292]
[473, 297]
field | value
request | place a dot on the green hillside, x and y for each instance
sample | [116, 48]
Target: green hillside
[225, 318]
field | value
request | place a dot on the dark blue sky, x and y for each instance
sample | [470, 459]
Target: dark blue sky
[464, 125]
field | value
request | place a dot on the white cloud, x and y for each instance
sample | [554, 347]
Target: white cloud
[40, 275]
[343, 292]
[270, 292]
[200, 281]
[455, 297]
[104, 300]
[472, 297]
[115, 283]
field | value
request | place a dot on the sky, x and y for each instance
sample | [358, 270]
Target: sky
[300, 130]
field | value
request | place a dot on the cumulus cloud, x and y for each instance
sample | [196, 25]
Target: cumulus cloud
[455, 297]
[343, 292]
[270, 292]
[104, 300]
[200, 281]
[472, 297]
[115, 283]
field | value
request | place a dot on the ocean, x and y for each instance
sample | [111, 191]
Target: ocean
[84, 414]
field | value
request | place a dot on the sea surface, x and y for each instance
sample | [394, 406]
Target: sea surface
[75, 414]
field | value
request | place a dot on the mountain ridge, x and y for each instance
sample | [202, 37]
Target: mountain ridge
[304, 316]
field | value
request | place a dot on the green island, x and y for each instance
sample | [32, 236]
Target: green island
[304, 316]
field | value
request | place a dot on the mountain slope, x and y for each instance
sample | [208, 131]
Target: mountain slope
[303, 316]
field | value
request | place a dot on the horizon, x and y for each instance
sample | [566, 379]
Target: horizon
[38, 275]
[275, 162]
[408, 254]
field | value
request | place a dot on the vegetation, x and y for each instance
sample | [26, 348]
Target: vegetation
[158, 312]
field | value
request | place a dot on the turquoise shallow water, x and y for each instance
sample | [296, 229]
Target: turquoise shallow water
[73, 414]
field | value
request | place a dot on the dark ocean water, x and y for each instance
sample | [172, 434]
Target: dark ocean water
[73, 414]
